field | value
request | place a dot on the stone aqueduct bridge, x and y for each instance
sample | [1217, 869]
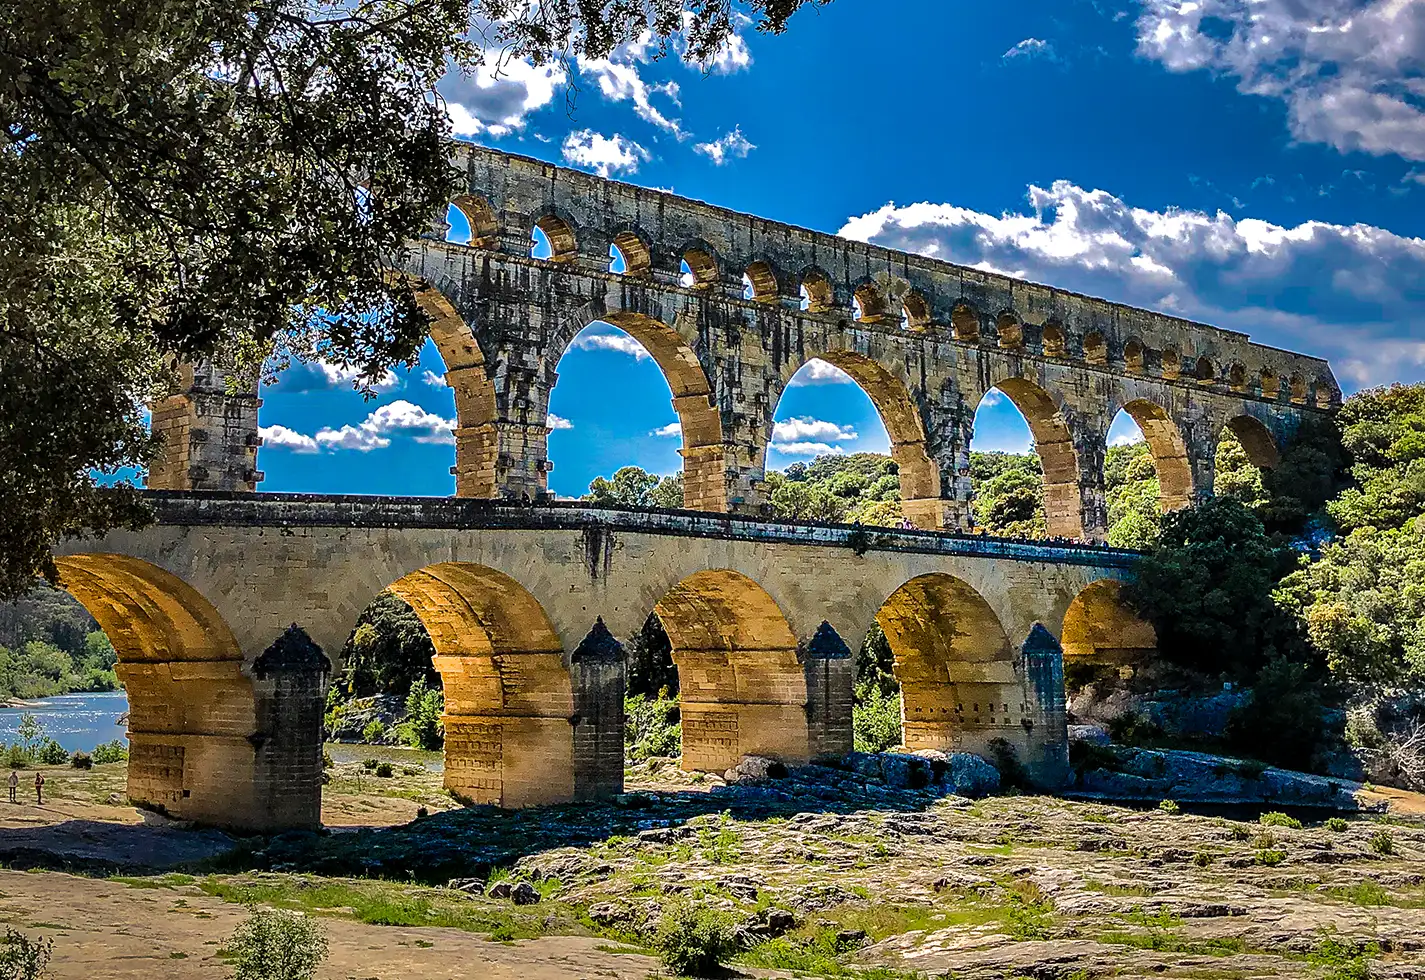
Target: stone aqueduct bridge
[225, 717]
[225, 721]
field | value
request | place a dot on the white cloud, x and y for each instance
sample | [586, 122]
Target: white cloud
[819, 372]
[803, 429]
[620, 342]
[620, 81]
[732, 55]
[668, 431]
[605, 155]
[497, 98]
[723, 149]
[806, 449]
[1031, 47]
[555, 422]
[281, 437]
[336, 374]
[434, 380]
[1349, 293]
[1126, 439]
[1351, 72]
[992, 398]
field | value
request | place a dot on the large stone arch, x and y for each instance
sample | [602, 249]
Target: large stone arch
[1176, 487]
[1257, 440]
[1063, 499]
[920, 477]
[1100, 628]
[743, 691]
[509, 701]
[193, 712]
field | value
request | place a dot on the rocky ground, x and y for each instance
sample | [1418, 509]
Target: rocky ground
[831, 873]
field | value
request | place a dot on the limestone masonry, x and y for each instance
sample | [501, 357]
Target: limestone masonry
[228, 612]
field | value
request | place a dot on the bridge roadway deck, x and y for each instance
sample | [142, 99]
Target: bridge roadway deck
[197, 508]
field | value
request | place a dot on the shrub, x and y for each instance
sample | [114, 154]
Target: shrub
[1271, 856]
[370, 764]
[1012, 774]
[23, 958]
[1278, 819]
[374, 733]
[876, 718]
[1338, 825]
[115, 751]
[1170, 807]
[51, 753]
[1383, 842]
[82, 760]
[653, 726]
[1282, 721]
[693, 940]
[1202, 859]
[423, 728]
[275, 944]
[16, 757]
[384, 770]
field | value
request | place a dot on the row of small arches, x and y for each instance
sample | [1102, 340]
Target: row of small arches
[553, 240]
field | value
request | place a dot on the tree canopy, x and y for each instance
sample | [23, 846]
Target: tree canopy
[234, 178]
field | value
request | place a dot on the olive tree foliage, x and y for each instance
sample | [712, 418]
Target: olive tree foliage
[185, 178]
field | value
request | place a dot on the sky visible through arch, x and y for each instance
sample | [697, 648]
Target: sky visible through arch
[1258, 166]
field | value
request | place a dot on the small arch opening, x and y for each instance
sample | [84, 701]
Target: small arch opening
[1133, 357]
[699, 269]
[760, 283]
[965, 323]
[1095, 348]
[1270, 384]
[1237, 377]
[867, 304]
[1052, 339]
[552, 239]
[629, 255]
[915, 312]
[472, 222]
[1204, 371]
[1326, 393]
[1298, 390]
[817, 294]
[1172, 363]
[1010, 331]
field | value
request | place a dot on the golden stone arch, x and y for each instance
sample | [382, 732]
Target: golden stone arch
[1100, 628]
[741, 686]
[955, 665]
[1165, 441]
[192, 709]
[1063, 508]
[920, 477]
[1256, 439]
[508, 695]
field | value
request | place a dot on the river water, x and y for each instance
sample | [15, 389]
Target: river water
[76, 721]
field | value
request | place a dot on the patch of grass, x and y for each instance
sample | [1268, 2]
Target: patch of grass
[1270, 856]
[1383, 842]
[1170, 807]
[817, 956]
[1343, 959]
[1367, 893]
[1278, 819]
[1160, 933]
[1337, 825]
[1124, 891]
[171, 880]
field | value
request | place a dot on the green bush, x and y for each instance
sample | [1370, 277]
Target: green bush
[274, 944]
[652, 726]
[374, 733]
[23, 958]
[1170, 807]
[423, 728]
[115, 751]
[81, 760]
[1278, 819]
[1271, 856]
[876, 718]
[1383, 842]
[1338, 825]
[16, 757]
[1282, 722]
[51, 753]
[694, 940]
[384, 770]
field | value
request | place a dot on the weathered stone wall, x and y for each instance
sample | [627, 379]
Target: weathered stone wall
[762, 617]
[209, 432]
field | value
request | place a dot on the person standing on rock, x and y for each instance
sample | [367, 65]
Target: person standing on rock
[14, 785]
[39, 788]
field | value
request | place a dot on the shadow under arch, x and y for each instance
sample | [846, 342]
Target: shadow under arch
[1256, 439]
[193, 712]
[919, 476]
[1099, 628]
[1165, 441]
[742, 687]
[1063, 505]
[704, 456]
[509, 700]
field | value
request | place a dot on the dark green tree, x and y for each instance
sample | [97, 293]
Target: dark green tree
[389, 651]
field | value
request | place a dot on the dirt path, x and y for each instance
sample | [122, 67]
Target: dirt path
[103, 930]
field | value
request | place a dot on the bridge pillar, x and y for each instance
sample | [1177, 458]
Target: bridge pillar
[831, 676]
[290, 680]
[1046, 733]
[599, 678]
[209, 435]
[1086, 514]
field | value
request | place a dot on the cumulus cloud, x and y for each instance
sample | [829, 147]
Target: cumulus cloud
[732, 55]
[605, 155]
[805, 429]
[726, 147]
[622, 343]
[433, 379]
[1351, 73]
[806, 449]
[1349, 293]
[498, 98]
[1126, 439]
[323, 376]
[620, 81]
[819, 372]
[555, 422]
[1031, 47]
[992, 398]
[281, 437]
[668, 431]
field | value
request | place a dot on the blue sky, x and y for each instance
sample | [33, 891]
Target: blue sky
[1257, 165]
